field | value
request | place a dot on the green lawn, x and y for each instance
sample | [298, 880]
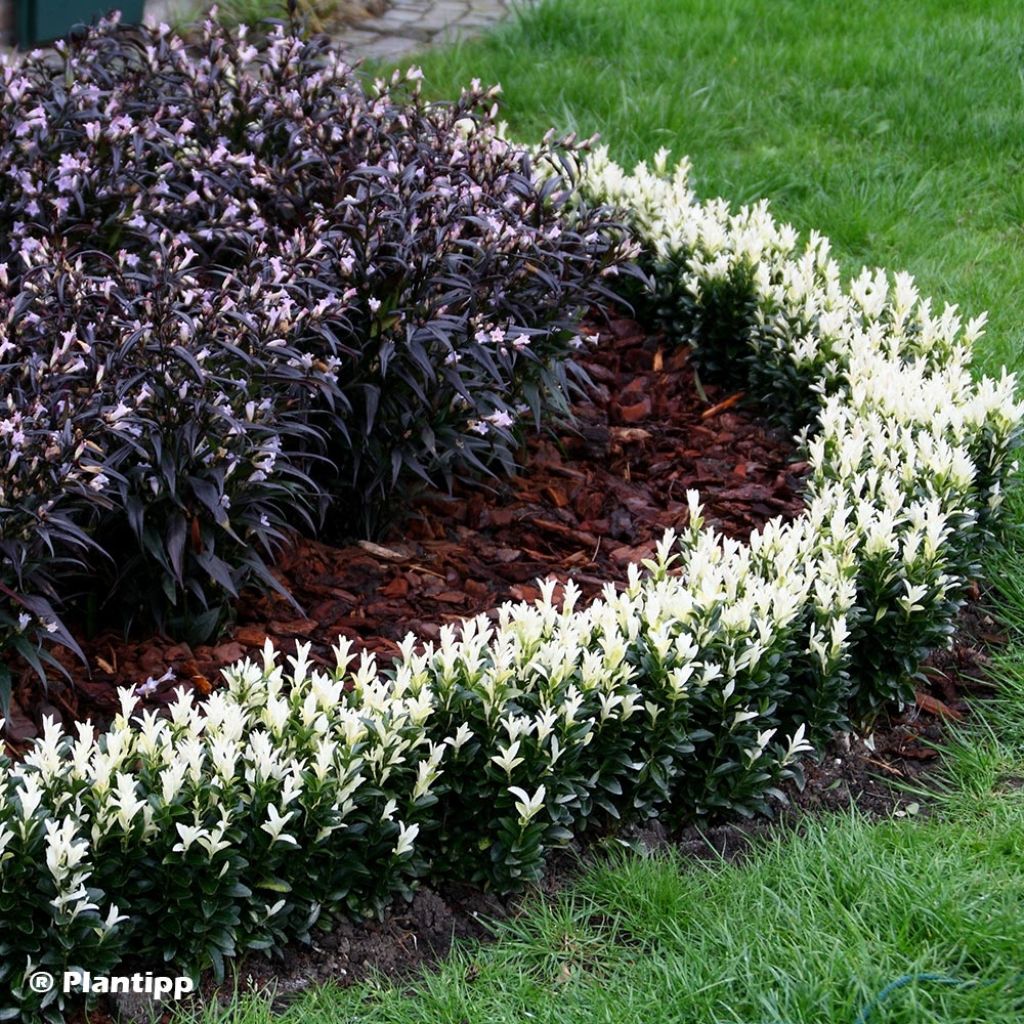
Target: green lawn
[898, 130]
[808, 932]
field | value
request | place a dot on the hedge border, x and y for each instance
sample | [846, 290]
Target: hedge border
[290, 797]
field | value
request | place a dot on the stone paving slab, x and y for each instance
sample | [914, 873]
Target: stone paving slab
[412, 25]
[406, 27]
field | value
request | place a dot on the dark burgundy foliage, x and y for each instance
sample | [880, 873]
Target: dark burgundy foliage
[241, 293]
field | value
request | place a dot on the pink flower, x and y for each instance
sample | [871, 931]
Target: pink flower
[500, 419]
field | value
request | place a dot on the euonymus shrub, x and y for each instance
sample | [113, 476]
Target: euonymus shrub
[909, 453]
[288, 798]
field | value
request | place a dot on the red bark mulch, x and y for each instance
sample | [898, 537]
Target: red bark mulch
[590, 499]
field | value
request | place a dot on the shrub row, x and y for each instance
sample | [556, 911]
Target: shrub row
[290, 797]
[240, 292]
[909, 453]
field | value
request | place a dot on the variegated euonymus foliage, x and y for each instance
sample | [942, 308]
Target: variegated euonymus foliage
[909, 453]
[296, 794]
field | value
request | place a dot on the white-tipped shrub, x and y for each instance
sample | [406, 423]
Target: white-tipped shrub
[909, 454]
[290, 797]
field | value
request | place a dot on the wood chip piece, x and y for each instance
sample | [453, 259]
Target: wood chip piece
[934, 706]
[379, 551]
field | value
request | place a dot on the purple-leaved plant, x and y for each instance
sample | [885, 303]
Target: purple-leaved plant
[242, 291]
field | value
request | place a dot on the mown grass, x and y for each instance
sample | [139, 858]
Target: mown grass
[809, 931]
[897, 130]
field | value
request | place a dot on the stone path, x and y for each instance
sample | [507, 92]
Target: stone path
[412, 25]
[404, 28]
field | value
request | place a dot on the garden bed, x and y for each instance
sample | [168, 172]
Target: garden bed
[593, 496]
[394, 313]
